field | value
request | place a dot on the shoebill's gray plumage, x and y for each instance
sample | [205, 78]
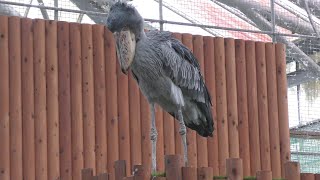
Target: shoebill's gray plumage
[166, 71]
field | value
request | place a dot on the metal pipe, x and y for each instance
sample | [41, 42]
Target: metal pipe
[273, 21]
[56, 12]
[160, 15]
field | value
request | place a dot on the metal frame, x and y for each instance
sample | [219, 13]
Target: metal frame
[273, 33]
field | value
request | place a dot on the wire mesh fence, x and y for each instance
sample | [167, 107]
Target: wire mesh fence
[293, 22]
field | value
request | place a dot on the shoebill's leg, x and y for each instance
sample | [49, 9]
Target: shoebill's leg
[154, 136]
[183, 133]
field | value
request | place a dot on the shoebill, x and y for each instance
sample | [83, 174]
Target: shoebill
[167, 72]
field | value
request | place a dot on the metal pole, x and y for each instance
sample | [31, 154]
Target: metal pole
[273, 21]
[56, 15]
[160, 15]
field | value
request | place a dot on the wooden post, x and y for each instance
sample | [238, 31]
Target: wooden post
[141, 172]
[112, 110]
[4, 102]
[88, 97]
[317, 177]
[135, 121]
[168, 133]
[173, 166]
[234, 169]
[255, 163]
[263, 106]
[205, 173]
[28, 140]
[177, 139]
[76, 100]
[103, 176]
[189, 173]
[264, 175]
[160, 143]
[145, 130]
[87, 174]
[244, 147]
[273, 110]
[40, 112]
[52, 100]
[283, 104]
[15, 97]
[191, 135]
[221, 98]
[202, 144]
[123, 115]
[64, 101]
[232, 98]
[307, 176]
[120, 169]
[213, 157]
[99, 98]
[292, 170]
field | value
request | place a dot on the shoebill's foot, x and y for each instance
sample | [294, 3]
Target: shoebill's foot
[183, 133]
[153, 136]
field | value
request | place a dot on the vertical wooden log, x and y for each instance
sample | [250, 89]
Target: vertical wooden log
[273, 111]
[15, 97]
[177, 136]
[213, 157]
[169, 133]
[100, 98]
[87, 174]
[307, 176]
[221, 96]
[189, 173]
[264, 175]
[135, 121]
[52, 99]
[120, 169]
[232, 98]
[123, 115]
[173, 167]
[244, 147]
[252, 107]
[263, 106]
[160, 140]
[141, 172]
[40, 117]
[205, 173]
[282, 104]
[112, 110]
[64, 101]
[202, 144]
[27, 99]
[317, 177]
[191, 135]
[292, 170]
[145, 130]
[88, 97]
[234, 169]
[4, 102]
[76, 100]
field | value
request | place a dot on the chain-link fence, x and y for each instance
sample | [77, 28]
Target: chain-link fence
[293, 22]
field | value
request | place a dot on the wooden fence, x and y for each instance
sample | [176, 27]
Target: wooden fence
[71, 107]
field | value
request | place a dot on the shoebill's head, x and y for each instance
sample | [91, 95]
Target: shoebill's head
[126, 24]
